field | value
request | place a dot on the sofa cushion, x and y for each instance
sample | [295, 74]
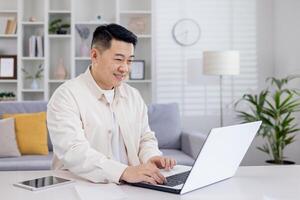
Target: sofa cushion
[179, 156]
[12, 107]
[27, 162]
[31, 132]
[164, 120]
[8, 142]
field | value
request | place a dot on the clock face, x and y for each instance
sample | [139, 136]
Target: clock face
[186, 32]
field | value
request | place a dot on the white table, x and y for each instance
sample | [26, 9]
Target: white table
[251, 183]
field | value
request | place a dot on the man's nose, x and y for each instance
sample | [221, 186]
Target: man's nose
[124, 68]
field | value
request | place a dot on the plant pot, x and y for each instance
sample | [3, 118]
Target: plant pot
[84, 49]
[284, 162]
[61, 32]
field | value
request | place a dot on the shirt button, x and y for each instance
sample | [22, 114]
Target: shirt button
[109, 132]
[107, 104]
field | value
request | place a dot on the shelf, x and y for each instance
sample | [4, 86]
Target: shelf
[8, 81]
[57, 81]
[91, 22]
[32, 90]
[8, 11]
[83, 58]
[59, 36]
[8, 36]
[59, 12]
[139, 81]
[128, 12]
[38, 23]
[33, 58]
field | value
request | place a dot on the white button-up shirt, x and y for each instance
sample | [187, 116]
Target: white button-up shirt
[80, 127]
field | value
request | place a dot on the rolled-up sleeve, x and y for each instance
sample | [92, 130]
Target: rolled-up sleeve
[148, 142]
[70, 144]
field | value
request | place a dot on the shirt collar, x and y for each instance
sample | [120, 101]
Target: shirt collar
[99, 92]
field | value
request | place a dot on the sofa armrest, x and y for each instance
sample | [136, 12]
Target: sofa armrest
[191, 142]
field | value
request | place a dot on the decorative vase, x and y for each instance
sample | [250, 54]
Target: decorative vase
[84, 49]
[34, 84]
[60, 72]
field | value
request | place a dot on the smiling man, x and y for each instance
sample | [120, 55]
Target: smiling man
[98, 124]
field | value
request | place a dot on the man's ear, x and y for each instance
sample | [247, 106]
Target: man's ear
[94, 55]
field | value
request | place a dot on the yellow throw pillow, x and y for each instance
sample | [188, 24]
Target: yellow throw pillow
[31, 132]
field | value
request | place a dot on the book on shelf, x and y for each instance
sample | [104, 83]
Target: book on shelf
[11, 26]
[39, 42]
[36, 47]
[3, 21]
[32, 46]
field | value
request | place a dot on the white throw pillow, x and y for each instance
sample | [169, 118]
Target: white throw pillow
[8, 142]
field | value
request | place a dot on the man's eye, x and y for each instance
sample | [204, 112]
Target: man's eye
[118, 59]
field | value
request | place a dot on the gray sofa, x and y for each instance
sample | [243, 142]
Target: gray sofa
[164, 119]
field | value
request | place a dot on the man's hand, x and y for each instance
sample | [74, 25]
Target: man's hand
[162, 162]
[143, 173]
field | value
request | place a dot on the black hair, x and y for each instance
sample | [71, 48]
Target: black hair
[104, 34]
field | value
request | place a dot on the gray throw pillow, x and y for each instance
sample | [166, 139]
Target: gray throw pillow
[164, 120]
[8, 142]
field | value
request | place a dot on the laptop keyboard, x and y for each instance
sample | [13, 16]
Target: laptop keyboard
[177, 179]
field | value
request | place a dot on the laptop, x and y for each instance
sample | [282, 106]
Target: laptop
[219, 158]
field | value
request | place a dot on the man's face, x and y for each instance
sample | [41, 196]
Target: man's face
[111, 66]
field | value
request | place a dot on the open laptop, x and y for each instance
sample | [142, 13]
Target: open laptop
[219, 158]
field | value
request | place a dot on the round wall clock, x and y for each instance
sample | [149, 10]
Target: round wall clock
[186, 32]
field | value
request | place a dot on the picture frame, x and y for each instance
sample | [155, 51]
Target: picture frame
[137, 71]
[8, 67]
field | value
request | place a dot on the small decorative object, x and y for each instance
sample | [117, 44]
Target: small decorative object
[34, 77]
[137, 71]
[8, 67]
[98, 17]
[137, 25]
[84, 33]
[7, 96]
[60, 72]
[32, 19]
[58, 27]
[275, 107]
[186, 32]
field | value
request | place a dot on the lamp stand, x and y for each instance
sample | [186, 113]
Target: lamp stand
[221, 102]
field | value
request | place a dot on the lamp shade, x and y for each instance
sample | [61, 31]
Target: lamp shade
[221, 62]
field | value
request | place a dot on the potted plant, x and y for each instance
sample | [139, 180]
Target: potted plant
[7, 96]
[37, 75]
[275, 107]
[58, 27]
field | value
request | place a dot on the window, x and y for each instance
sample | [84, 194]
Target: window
[225, 25]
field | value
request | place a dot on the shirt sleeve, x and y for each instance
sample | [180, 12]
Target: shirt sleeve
[70, 144]
[148, 142]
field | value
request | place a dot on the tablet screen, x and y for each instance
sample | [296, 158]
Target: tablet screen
[44, 181]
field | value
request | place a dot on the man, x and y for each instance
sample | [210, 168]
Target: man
[99, 125]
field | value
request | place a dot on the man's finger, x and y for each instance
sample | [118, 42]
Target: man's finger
[167, 160]
[149, 179]
[173, 163]
[162, 162]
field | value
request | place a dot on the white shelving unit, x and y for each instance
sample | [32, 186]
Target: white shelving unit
[67, 49]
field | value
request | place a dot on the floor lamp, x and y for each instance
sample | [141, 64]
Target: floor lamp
[221, 63]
